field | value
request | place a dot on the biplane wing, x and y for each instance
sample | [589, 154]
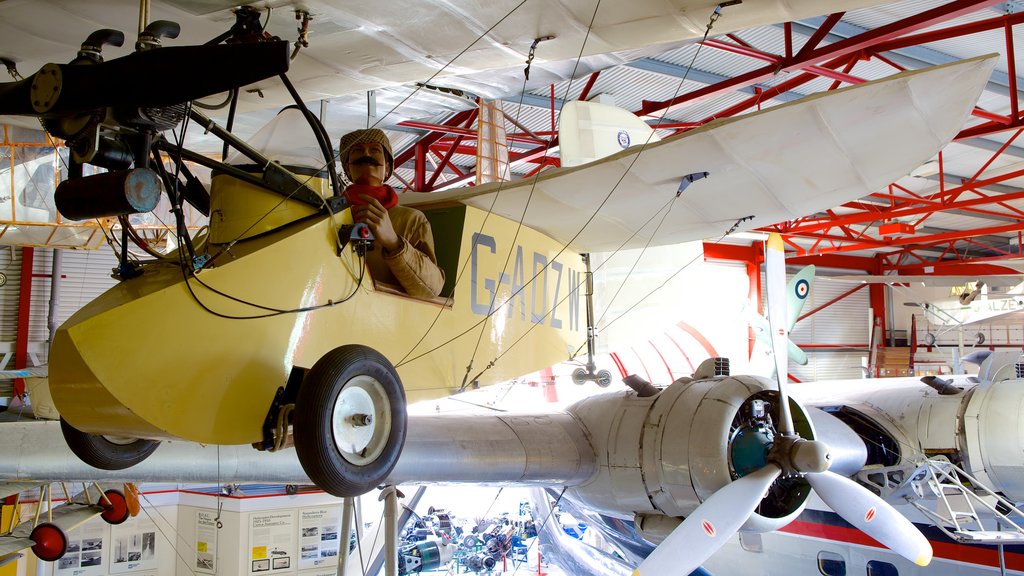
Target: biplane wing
[12, 488]
[30, 372]
[13, 544]
[46, 533]
[765, 167]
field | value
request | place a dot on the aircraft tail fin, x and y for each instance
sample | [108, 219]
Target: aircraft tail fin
[589, 131]
[797, 290]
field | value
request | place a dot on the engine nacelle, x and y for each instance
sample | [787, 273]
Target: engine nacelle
[980, 428]
[993, 436]
[666, 454]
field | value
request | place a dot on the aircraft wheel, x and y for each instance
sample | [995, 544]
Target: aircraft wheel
[50, 542]
[115, 507]
[350, 421]
[106, 452]
[579, 376]
[604, 378]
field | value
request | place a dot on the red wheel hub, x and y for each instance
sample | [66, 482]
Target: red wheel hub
[50, 542]
[115, 507]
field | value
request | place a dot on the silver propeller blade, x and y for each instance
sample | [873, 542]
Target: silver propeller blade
[710, 526]
[775, 280]
[872, 515]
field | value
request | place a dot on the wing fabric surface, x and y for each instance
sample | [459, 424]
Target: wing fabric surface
[774, 165]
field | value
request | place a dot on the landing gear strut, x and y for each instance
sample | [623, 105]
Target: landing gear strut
[580, 376]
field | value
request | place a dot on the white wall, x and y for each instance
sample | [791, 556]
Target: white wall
[301, 532]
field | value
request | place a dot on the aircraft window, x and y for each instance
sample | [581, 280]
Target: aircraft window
[446, 224]
[831, 564]
[879, 568]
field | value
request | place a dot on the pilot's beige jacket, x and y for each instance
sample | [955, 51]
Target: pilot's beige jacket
[414, 265]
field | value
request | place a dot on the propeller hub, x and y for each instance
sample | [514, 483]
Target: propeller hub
[810, 456]
[797, 456]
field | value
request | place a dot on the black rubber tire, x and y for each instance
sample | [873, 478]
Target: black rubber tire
[604, 378]
[313, 420]
[99, 452]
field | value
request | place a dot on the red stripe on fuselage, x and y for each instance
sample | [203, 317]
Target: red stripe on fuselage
[946, 550]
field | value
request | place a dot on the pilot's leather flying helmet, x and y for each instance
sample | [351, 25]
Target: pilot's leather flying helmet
[366, 136]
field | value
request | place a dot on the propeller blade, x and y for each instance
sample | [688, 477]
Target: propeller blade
[775, 275]
[709, 526]
[872, 515]
[146, 79]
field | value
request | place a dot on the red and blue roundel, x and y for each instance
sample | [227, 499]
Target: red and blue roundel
[802, 288]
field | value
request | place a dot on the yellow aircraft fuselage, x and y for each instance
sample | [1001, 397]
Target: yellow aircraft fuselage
[200, 358]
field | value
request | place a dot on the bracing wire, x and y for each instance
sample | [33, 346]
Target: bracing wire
[714, 16]
[533, 186]
[177, 537]
[324, 204]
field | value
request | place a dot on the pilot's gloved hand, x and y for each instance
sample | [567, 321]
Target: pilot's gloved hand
[376, 217]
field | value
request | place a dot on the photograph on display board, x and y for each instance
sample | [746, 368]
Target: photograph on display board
[85, 551]
[134, 548]
[272, 540]
[69, 561]
[318, 530]
[204, 562]
[206, 541]
[91, 559]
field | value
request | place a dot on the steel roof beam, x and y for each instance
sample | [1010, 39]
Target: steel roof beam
[928, 204]
[931, 239]
[837, 50]
[909, 56]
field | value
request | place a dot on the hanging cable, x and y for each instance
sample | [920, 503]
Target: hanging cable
[714, 17]
[173, 541]
[491, 307]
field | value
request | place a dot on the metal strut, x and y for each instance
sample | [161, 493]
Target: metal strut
[591, 373]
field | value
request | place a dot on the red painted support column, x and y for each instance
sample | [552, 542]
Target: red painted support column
[24, 307]
[419, 183]
[547, 380]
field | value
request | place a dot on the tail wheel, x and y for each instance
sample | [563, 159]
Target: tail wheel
[115, 507]
[579, 376]
[106, 452]
[349, 420]
[50, 542]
